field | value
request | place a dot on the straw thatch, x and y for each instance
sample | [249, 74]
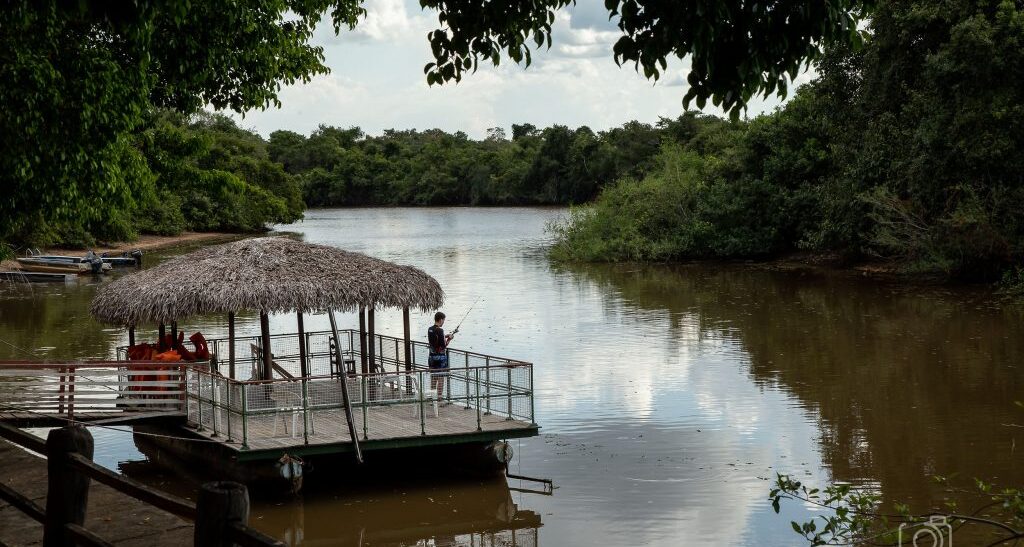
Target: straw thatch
[269, 274]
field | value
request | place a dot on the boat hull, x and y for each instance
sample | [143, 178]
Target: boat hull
[59, 266]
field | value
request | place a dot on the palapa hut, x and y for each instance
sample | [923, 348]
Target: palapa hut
[268, 275]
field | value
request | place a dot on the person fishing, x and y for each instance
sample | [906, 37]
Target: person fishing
[438, 360]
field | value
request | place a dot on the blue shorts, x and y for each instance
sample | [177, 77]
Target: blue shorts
[438, 364]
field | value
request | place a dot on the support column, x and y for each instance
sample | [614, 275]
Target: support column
[408, 338]
[265, 373]
[174, 333]
[372, 352]
[131, 336]
[303, 367]
[362, 339]
[160, 340]
[231, 344]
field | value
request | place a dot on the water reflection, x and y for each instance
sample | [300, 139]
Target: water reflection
[905, 382]
[392, 512]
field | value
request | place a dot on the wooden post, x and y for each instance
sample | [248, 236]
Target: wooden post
[67, 494]
[60, 391]
[370, 334]
[303, 367]
[160, 340]
[174, 333]
[131, 336]
[344, 389]
[266, 374]
[71, 392]
[219, 507]
[231, 344]
[362, 338]
[408, 338]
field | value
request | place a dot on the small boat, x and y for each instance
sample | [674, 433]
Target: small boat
[127, 259]
[58, 266]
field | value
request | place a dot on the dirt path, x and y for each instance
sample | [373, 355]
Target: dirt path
[115, 517]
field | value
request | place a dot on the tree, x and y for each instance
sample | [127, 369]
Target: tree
[80, 77]
[737, 48]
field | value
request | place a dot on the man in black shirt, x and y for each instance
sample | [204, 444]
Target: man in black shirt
[438, 361]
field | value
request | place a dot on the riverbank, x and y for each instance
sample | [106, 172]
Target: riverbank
[144, 243]
[117, 518]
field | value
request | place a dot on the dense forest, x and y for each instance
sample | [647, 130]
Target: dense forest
[908, 148]
[554, 165]
[199, 173]
[205, 173]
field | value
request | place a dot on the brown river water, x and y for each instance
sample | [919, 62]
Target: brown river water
[668, 395]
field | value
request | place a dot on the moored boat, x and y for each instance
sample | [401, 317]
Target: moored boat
[45, 265]
[127, 259]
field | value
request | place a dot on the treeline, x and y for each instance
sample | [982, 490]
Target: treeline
[909, 149]
[197, 173]
[532, 166]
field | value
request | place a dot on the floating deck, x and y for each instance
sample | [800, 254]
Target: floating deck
[394, 428]
[484, 398]
[245, 427]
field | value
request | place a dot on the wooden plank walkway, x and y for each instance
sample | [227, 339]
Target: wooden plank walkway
[116, 517]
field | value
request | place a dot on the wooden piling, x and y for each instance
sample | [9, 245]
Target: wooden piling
[131, 336]
[67, 489]
[219, 507]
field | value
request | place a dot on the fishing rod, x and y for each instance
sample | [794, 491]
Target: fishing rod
[465, 316]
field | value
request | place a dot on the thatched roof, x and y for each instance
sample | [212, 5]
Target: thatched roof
[269, 274]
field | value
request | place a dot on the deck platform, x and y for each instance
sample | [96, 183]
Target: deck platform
[306, 416]
[394, 427]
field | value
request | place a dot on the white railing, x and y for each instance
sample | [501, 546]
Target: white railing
[90, 387]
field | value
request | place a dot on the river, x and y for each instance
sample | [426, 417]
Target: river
[668, 395]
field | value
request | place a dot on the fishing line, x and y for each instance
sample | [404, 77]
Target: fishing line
[73, 421]
[23, 350]
[454, 332]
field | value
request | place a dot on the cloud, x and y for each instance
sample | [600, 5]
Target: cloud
[591, 14]
[385, 21]
[377, 81]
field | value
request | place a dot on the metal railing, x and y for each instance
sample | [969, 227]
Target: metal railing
[384, 404]
[92, 387]
[395, 399]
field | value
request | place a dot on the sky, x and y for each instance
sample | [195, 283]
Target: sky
[377, 82]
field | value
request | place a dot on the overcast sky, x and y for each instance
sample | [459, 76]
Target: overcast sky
[377, 82]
